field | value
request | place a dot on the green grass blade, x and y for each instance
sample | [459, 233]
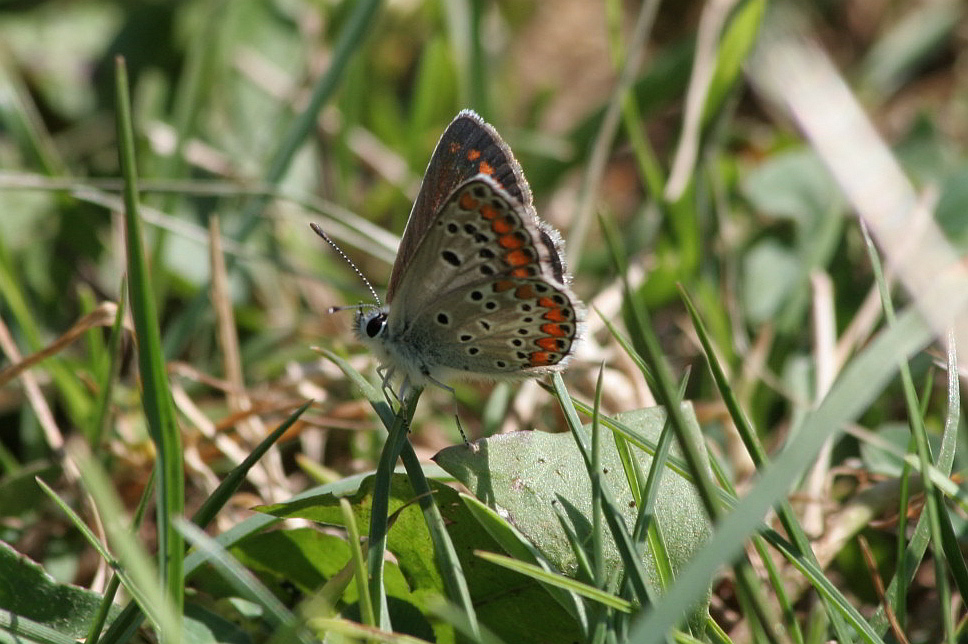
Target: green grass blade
[131, 617]
[518, 547]
[918, 542]
[350, 40]
[585, 572]
[22, 629]
[934, 501]
[377, 400]
[357, 558]
[354, 632]
[635, 571]
[230, 484]
[94, 633]
[594, 473]
[103, 406]
[380, 508]
[444, 551]
[458, 619]
[826, 588]
[758, 454]
[157, 400]
[130, 560]
[689, 442]
[448, 562]
[565, 583]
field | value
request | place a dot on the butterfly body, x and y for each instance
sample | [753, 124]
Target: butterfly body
[479, 289]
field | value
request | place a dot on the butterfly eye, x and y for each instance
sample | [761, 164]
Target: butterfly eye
[375, 324]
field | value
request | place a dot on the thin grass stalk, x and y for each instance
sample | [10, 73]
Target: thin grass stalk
[104, 608]
[31, 631]
[860, 382]
[899, 607]
[159, 409]
[647, 526]
[917, 545]
[127, 556]
[379, 512]
[933, 499]
[358, 560]
[186, 107]
[599, 614]
[772, 572]
[447, 560]
[476, 84]
[608, 127]
[616, 523]
[103, 406]
[244, 582]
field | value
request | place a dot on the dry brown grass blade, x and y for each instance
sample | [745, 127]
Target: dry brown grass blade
[103, 315]
[250, 427]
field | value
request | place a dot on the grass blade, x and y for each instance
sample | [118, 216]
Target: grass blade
[157, 400]
[380, 508]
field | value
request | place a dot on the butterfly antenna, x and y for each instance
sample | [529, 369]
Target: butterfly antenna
[326, 238]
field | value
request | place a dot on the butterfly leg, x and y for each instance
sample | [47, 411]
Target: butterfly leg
[386, 373]
[453, 393]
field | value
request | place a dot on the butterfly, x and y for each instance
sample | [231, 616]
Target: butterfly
[479, 288]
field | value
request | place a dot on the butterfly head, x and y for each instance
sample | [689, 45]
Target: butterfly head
[371, 322]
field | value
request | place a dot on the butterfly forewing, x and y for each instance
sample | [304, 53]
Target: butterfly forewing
[468, 147]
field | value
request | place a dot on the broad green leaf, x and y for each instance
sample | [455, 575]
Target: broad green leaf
[30, 592]
[525, 474]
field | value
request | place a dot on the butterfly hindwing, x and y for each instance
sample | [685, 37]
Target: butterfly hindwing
[484, 289]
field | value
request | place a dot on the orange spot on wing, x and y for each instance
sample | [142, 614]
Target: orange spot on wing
[547, 303]
[467, 202]
[522, 271]
[553, 330]
[488, 212]
[517, 258]
[473, 155]
[549, 344]
[503, 285]
[540, 358]
[555, 315]
[485, 168]
[510, 241]
[502, 226]
[454, 147]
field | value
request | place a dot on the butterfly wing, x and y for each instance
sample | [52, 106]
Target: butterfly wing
[484, 291]
[468, 147]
